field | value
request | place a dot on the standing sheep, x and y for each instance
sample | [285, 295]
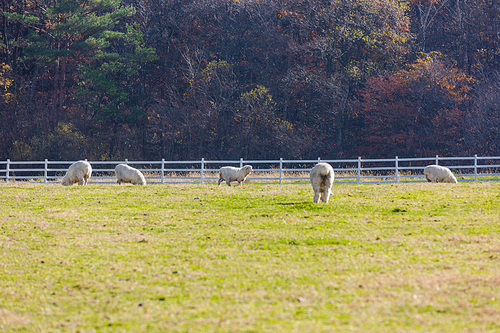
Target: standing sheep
[127, 174]
[322, 177]
[231, 174]
[78, 172]
[439, 174]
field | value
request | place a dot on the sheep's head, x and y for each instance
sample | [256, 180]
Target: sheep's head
[142, 181]
[65, 181]
[248, 169]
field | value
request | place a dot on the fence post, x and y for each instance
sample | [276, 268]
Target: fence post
[281, 169]
[162, 169]
[7, 171]
[319, 159]
[241, 162]
[359, 169]
[437, 159]
[202, 167]
[397, 169]
[475, 167]
[126, 161]
[45, 171]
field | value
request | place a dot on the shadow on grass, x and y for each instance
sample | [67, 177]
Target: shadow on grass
[303, 205]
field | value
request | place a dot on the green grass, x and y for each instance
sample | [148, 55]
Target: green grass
[259, 258]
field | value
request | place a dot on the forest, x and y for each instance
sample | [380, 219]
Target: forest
[257, 79]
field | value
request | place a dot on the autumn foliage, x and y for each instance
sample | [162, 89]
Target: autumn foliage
[221, 79]
[416, 111]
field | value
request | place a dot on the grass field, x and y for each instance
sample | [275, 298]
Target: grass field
[259, 258]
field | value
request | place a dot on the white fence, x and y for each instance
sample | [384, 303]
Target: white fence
[354, 171]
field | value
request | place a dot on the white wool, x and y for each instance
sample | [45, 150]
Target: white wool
[232, 174]
[322, 177]
[439, 174]
[127, 174]
[78, 172]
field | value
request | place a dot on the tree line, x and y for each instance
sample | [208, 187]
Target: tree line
[257, 79]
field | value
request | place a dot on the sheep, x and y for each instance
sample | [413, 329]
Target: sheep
[439, 174]
[322, 177]
[78, 172]
[231, 174]
[127, 174]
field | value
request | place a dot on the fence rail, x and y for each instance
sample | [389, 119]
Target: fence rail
[353, 171]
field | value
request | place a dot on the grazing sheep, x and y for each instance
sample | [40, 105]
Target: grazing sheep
[439, 174]
[127, 174]
[322, 177]
[78, 172]
[231, 174]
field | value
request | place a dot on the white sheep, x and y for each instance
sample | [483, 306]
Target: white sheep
[232, 174]
[127, 174]
[439, 174]
[322, 177]
[78, 172]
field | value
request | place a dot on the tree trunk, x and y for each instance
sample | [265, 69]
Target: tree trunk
[62, 87]
[54, 93]
[4, 29]
[464, 56]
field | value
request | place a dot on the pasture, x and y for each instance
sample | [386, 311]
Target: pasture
[259, 258]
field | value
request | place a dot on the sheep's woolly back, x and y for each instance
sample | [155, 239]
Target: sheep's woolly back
[439, 174]
[322, 177]
[232, 174]
[127, 174]
[78, 172]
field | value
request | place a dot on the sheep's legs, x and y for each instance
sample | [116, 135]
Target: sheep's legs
[325, 191]
[317, 194]
[321, 192]
[325, 195]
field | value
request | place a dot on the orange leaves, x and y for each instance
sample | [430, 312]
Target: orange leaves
[6, 82]
[285, 13]
[433, 70]
[417, 111]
